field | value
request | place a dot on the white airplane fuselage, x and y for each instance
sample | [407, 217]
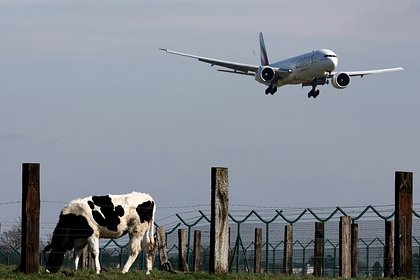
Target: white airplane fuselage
[304, 68]
[309, 69]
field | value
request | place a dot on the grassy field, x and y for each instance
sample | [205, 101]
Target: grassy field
[12, 272]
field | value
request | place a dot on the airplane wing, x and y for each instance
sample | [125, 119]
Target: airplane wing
[236, 68]
[368, 72]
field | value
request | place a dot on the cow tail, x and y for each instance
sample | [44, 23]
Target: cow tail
[152, 227]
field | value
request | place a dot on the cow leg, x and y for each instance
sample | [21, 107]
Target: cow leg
[134, 252]
[78, 249]
[94, 248]
[149, 249]
[77, 253]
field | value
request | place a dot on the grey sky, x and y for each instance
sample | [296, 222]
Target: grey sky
[85, 92]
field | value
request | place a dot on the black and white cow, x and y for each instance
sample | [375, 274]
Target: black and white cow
[83, 221]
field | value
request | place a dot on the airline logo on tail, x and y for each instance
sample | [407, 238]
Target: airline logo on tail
[263, 52]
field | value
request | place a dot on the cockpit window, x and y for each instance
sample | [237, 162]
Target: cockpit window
[330, 55]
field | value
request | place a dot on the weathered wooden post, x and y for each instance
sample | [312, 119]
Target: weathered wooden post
[30, 217]
[319, 249]
[182, 249]
[257, 250]
[403, 259]
[163, 250]
[345, 247]
[389, 249]
[197, 250]
[288, 250]
[354, 250]
[219, 227]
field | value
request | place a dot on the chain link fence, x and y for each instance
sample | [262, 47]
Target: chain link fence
[371, 241]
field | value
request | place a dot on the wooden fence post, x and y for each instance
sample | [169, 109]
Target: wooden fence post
[354, 250]
[219, 227]
[319, 249]
[30, 217]
[197, 250]
[389, 249]
[163, 250]
[345, 247]
[288, 250]
[257, 250]
[403, 259]
[182, 249]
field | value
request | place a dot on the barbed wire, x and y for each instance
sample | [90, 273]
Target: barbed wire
[230, 205]
[240, 211]
[243, 209]
[11, 202]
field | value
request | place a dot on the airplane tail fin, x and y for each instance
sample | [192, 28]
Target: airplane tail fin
[263, 51]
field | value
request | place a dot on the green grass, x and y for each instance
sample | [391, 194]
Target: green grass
[12, 272]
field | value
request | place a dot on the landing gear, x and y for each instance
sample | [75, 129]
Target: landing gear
[313, 93]
[271, 90]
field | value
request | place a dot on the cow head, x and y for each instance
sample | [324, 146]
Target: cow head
[55, 258]
[69, 228]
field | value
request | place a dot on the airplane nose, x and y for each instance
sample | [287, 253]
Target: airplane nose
[335, 62]
[332, 64]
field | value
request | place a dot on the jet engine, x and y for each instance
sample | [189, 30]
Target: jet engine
[340, 80]
[265, 74]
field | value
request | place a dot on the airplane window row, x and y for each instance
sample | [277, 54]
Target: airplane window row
[330, 55]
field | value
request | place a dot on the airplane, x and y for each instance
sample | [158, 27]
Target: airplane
[309, 69]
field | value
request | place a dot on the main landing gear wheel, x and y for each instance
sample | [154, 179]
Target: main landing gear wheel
[271, 90]
[313, 93]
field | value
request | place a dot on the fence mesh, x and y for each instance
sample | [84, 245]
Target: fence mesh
[371, 241]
